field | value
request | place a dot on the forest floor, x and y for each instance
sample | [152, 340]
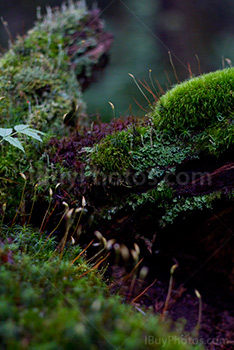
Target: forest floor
[217, 323]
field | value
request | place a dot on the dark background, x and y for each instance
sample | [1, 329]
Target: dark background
[144, 33]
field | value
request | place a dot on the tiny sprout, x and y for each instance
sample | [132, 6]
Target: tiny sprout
[36, 186]
[134, 255]
[112, 105]
[50, 192]
[83, 202]
[78, 210]
[117, 251]
[104, 242]
[113, 108]
[117, 247]
[65, 204]
[137, 249]
[69, 213]
[198, 295]
[173, 268]
[64, 116]
[23, 176]
[58, 184]
[124, 252]
[143, 272]
[110, 244]
[73, 241]
[98, 235]
[140, 89]
[4, 207]
[198, 326]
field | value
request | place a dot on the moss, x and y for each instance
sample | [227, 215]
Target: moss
[192, 120]
[40, 294]
[42, 76]
[139, 150]
[196, 104]
[182, 207]
[43, 73]
[113, 153]
[195, 116]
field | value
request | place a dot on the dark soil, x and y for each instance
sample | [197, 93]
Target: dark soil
[217, 325]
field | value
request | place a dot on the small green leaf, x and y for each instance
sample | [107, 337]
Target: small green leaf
[5, 132]
[26, 130]
[37, 131]
[32, 134]
[15, 142]
[21, 127]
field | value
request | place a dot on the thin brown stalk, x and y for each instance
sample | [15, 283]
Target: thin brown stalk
[140, 89]
[199, 64]
[84, 250]
[160, 87]
[47, 211]
[173, 67]
[133, 270]
[3, 215]
[95, 266]
[168, 79]
[34, 199]
[174, 267]
[198, 326]
[21, 200]
[142, 293]
[152, 83]
[6, 27]
[49, 216]
[190, 70]
[147, 87]
[139, 105]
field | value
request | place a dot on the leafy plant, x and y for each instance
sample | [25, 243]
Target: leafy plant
[7, 134]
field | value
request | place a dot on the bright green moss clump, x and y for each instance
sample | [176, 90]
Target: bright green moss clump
[196, 104]
[195, 116]
[194, 120]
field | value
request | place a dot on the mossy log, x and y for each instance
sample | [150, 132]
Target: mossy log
[139, 178]
[149, 178]
[43, 75]
[43, 72]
